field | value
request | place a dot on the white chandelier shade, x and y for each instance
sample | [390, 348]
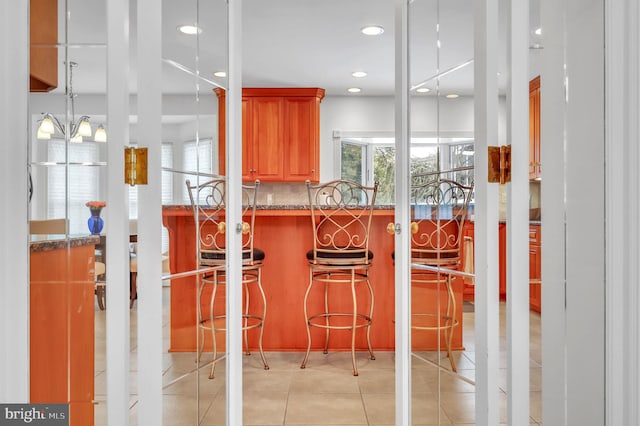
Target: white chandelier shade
[76, 131]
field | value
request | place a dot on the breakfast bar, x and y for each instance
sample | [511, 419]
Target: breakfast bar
[284, 233]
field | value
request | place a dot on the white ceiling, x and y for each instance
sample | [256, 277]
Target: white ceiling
[289, 43]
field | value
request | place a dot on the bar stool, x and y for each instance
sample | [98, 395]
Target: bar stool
[341, 214]
[101, 295]
[208, 202]
[439, 209]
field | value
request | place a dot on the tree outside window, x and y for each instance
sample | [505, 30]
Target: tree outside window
[369, 160]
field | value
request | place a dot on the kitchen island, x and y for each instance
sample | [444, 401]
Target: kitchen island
[284, 233]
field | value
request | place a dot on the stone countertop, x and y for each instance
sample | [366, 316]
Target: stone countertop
[266, 208]
[270, 207]
[54, 242]
[306, 207]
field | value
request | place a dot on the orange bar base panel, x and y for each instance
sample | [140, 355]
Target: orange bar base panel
[62, 330]
[285, 236]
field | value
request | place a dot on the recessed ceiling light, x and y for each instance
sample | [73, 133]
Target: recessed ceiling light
[354, 90]
[359, 74]
[423, 90]
[189, 29]
[220, 74]
[372, 30]
[452, 96]
[538, 31]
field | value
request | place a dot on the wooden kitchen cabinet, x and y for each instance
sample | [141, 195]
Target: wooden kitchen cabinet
[535, 269]
[43, 50]
[281, 133]
[264, 140]
[534, 128]
[535, 265]
[468, 231]
[301, 139]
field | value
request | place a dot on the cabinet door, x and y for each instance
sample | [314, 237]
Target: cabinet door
[266, 161]
[247, 127]
[301, 140]
[535, 269]
[534, 128]
[502, 265]
[43, 53]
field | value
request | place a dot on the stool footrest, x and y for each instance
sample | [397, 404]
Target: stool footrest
[366, 323]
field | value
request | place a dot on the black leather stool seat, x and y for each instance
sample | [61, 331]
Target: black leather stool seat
[429, 255]
[209, 255]
[348, 254]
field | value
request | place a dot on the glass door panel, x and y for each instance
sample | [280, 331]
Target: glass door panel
[190, 124]
[441, 203]
[67, 175]
[296, 56]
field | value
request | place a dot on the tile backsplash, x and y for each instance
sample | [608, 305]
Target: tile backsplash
[288, 193]
[283, 193]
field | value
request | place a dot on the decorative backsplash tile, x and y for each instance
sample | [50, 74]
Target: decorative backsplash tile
[283, 193]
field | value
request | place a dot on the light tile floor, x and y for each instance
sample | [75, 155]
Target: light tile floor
[325, 393]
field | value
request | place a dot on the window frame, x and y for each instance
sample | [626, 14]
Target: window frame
[357, 137]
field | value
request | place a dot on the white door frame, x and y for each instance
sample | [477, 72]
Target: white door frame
[117, 315]
[149, 312]
[622, 23]
[486, 214]
[402, 218]
[517, 318]
[14, 245]
[234, 214]
[622, 109]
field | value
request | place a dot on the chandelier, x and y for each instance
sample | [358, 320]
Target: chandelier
[50, 125]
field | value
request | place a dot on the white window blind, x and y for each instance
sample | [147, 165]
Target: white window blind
[166, 160]
[197, 158]
[83, 183]
[167, 177]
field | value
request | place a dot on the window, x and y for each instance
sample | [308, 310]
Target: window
[84, 182]
[166, 159]
[197, 158]
[369, 160]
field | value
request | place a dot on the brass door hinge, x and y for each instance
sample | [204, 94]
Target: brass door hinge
[135, 166]
[499, 163]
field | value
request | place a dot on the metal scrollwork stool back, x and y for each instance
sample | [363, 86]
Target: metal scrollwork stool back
[439, 209]
[208, 201]
[341, 214]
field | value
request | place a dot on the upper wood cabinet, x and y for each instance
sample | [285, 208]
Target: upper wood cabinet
[43, 53]
[534, 128]
[281, 133]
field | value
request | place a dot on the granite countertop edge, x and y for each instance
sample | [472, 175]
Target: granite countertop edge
[271, 207]
[55, 242]
[268, 207]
